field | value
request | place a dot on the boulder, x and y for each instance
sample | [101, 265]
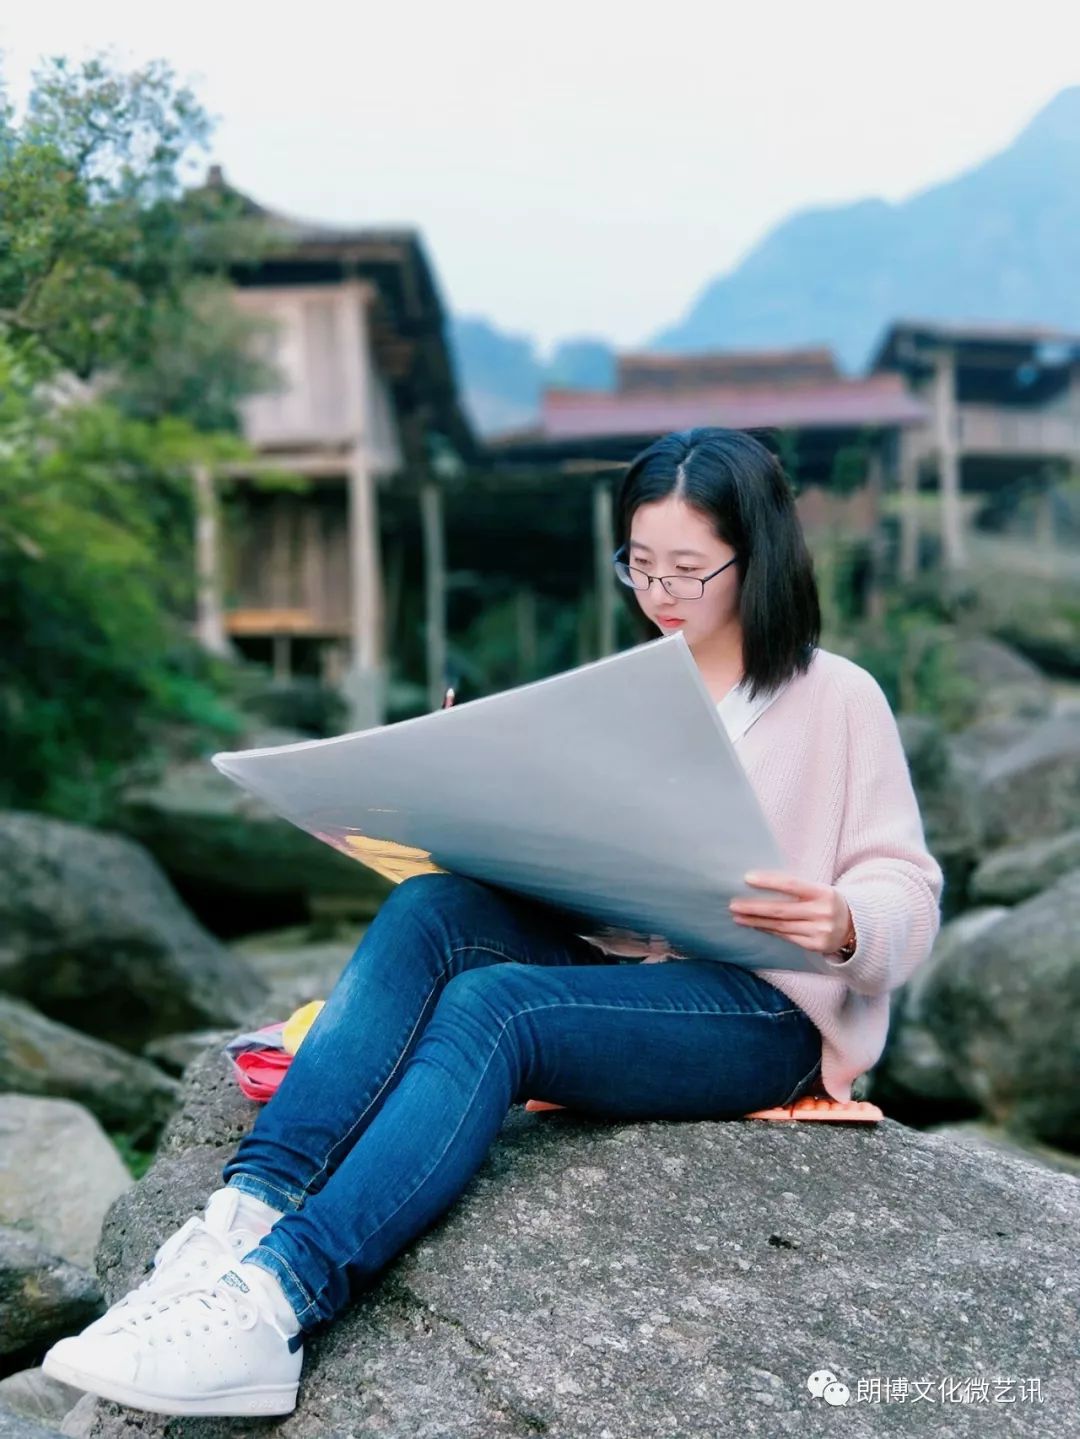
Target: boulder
[42, 1297]
[1015, 873]
[603, 1279]
[980, 1135]
[39, 1056]
[1031, 789]
[34, 1395]
[92, 934]
[1006, 1010]
[14, 1425]
[1004, 684]
[175, 1052]
[59, 1172]
[914, 1065]
[233, 859]
[294, 968]
[946, 785]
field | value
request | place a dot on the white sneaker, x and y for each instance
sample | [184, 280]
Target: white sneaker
[198, 1251]
[212, 1350]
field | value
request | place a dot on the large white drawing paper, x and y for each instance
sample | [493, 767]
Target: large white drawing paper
[611, 792]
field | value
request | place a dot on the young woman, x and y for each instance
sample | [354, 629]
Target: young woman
[461, 999]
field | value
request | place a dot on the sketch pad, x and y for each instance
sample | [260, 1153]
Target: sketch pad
[610, 791]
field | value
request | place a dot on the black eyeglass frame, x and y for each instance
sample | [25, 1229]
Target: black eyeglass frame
[702, 580]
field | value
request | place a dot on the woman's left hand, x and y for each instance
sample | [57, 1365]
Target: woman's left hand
[817, 917]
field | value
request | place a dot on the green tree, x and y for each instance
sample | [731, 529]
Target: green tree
[108, 262]
[117, 373]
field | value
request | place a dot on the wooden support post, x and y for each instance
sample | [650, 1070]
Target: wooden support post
[209, 616]
[603, 547]
[434, 542]
[948, 457]
[365, 686]
[908, 466]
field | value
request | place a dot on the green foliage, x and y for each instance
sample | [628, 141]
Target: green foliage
[137, 1159]
[106, 261]
[95, 569]
[121, 365]
[908, 650]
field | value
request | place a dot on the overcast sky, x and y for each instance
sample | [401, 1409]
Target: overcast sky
[582, 168]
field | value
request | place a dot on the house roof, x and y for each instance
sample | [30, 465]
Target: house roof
[650, 370]
[407, 321]
[900, 341]
[881, 399]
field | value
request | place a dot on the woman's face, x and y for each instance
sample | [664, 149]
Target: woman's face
[670, 537]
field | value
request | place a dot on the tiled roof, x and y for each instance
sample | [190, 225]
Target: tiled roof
[881, 399]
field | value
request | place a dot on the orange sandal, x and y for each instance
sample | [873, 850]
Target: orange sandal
[810, 1106]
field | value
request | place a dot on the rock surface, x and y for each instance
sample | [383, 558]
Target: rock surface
[1031, 789]
[1005, 1009]
[14, 1425]
[39, 1056]
[33, 1394]
[916, 1063]
[1008, 876]
[668, 1279]
[211, 836]
[92, 934]
[59, 1172]
[42, 1297]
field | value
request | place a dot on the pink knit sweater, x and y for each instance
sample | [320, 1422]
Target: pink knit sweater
[828, 767]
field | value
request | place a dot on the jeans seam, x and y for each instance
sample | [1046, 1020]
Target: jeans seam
[301, 1288]
[532, 1009]
[342, 1139]
[485, 948]
[262, 1186]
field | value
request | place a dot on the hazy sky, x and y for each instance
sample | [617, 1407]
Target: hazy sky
[583, 168]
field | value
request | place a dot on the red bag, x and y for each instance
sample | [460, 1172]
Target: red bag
[260, 1071]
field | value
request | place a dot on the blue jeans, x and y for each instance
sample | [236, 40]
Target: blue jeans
[459, 1001]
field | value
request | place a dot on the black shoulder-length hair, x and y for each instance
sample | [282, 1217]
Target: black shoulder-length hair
[739, 484]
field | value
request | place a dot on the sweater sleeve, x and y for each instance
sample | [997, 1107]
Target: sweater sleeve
[891, 882]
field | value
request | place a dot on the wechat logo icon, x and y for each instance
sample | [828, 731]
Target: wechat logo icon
[823, 1384]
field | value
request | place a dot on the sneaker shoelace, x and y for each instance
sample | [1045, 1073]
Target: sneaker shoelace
[199, 1309]
[202, 1244]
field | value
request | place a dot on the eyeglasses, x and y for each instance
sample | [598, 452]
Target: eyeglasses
[679, 587]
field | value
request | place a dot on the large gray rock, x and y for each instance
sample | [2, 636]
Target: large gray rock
[1017, 872]
[59, 1172]
[33, 1394]
[294, 968]
[39, 1056]
[1031, 789]
[42, 1297]
[218, 840]
[1004, 684]
[597, 1280]
[1006, 1010]
[946, 783]
[14, 1425]
[915, 1065]
[92, 934]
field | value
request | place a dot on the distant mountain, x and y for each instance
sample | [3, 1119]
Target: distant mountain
[501, 375]
[999, 242]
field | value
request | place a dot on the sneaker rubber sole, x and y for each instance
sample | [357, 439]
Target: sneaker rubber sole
[232, 1403]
